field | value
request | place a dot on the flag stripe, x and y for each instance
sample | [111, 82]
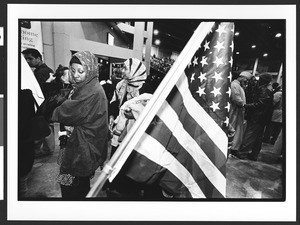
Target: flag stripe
[145, 170]
[165, 137]
[196, 131]
[188, 143]
[162, 157]
[216, 134]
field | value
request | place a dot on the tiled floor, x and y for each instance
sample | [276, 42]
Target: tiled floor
[245, 179]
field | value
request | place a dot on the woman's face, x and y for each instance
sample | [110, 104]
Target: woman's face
[126, 71]
[78, 73]
[65, 77]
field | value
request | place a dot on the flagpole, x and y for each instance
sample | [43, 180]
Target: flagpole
[279, 77]
[255, 66]
[112, 168]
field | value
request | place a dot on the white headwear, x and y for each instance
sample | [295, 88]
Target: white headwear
[246, 74]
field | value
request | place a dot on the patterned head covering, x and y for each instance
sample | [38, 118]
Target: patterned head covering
[246, 74]
[132, 81]
[137, 73]
[90, 63]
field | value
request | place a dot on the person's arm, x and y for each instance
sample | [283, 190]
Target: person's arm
[236, 95]
[73, 112]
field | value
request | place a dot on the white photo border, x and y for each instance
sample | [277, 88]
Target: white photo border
[149, 211]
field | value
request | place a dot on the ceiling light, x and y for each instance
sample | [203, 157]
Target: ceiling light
[265, 54]
[253, 46]
[237, 33]
[278, 35]
[157, 42]
[155, 32]
[237, 53]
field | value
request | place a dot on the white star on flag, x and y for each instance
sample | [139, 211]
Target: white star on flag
[229, 92]
[218, 61]
[193, 77]
[214, 106]
[231, 61]
[206, 45]
[204, 61]
[221, 30]
[228, 106]
[217, 76]
[219, 45]
[216, 91]
[202, 76]
[230, 76]
[190, 63]
[195, 62]
[232, 46]
[200, 91]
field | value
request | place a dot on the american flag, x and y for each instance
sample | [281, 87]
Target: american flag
[184, 149]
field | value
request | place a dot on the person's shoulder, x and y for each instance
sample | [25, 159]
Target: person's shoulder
[44, 67]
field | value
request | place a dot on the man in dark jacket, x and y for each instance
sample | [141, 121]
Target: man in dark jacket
[44, 75]
[42, 72]
[259, 114]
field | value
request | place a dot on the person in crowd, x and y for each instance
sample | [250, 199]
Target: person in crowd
[30, 129]
[85, 117]
[251, 87]
[269, 127]
[236, 113]
[276, 122]
[259, 114]
[132, 85]
[43, 74]
[107, 84]
[132, 92]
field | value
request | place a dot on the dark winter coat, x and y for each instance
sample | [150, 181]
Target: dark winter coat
[261, 109]
[86, 111]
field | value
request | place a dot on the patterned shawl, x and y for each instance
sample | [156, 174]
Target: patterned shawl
[132, 82]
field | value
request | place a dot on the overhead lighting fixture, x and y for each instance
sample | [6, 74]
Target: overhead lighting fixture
[155, 32]
[253, 46]
[265, 54]
[237, 53]
[237, 33]
[157, 42]
[278, 35]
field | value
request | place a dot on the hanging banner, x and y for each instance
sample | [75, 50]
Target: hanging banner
[31, 35]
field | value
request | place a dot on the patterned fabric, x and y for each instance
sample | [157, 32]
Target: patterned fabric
[89, 62]
[123, 124]
[65, 179]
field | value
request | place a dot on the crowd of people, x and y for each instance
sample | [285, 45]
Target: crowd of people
[256, 112]
[96, 113]
[161, 64]
[89, 111]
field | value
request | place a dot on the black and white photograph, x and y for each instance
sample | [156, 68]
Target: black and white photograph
[151, 112]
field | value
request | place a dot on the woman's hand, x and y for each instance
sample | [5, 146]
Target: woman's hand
[111, 122]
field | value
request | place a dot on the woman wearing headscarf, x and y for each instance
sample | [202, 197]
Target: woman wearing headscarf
[130, 90]
[132, 85]
[84, 114]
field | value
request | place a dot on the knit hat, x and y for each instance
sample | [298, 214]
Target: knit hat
[246, 74]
